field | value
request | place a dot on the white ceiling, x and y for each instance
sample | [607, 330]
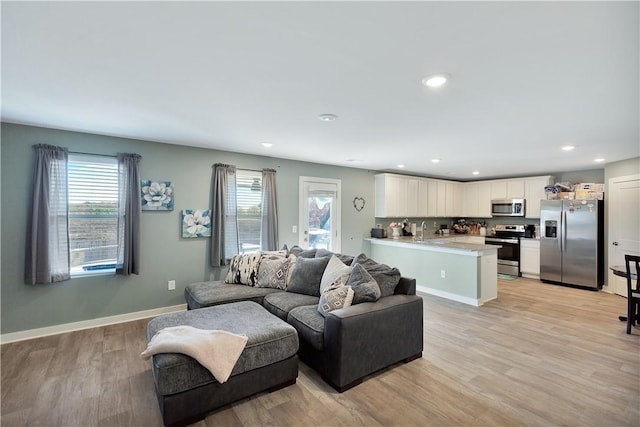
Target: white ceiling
[526, 79]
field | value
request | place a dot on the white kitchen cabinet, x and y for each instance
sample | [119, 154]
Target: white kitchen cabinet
[534, 192]
[454, 198]
[432, 205]
[515, 189]
[391, 195]
[477, 199]
[441, 204]
[412, 197]
[423, 198]
[530, 258]
[507, 189]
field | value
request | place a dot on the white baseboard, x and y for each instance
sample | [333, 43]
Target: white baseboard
[87, 324]
[466, 300]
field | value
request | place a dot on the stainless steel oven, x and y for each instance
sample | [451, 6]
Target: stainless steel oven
[508, 237]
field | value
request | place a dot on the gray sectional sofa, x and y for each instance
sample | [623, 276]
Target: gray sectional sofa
[346, 344]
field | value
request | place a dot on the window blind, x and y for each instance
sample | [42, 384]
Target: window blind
[249, 204]
[93, 212]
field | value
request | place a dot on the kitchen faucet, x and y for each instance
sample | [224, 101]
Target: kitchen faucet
[422, 232]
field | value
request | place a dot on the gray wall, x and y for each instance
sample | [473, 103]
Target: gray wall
[165, 255]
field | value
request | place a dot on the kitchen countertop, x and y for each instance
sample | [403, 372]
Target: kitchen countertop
[437, 244]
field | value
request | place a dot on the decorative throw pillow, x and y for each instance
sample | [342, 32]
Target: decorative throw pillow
[365, 288]
[334, 270]
[248, 268]
[336, 296]
[386, 277]
[307, 275]
[293, 260]
[347, 259]
[302, 253]
[273, 273]
[233, 274]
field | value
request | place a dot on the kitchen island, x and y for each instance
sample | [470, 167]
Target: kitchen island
[464, 272]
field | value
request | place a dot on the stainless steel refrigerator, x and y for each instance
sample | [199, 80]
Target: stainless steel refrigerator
[572, 242]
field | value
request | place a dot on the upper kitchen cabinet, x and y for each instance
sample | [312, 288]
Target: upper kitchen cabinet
[477, 199]
[508, 189]
[391, 195]
[453, 198]
[534, 192]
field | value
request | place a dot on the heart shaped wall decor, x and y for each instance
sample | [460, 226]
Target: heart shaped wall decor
[358, 203]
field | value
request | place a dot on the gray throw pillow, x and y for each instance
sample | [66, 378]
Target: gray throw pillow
[365, 288]
[386, 276]
[302, 253]
[307, 275]
[335, 297]
[347, 259]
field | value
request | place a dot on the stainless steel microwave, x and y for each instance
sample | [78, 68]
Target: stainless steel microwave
[508, 207]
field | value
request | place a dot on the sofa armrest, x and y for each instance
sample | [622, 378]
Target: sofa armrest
[406, 286]
[367, 337]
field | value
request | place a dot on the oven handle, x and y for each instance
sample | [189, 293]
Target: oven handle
[498, 240]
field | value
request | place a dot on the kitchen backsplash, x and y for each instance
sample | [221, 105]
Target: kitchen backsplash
[431, 229]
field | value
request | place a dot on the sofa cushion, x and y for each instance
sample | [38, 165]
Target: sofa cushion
[233, 273]
[335, 271]
[365, 288]
[309, 323]
[306, 276]
[205, 294]
[281, 303]
[336, 296]
[270, 340]
[273, 273]
[386, 277]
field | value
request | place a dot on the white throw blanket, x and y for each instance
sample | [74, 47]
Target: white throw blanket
[218, 351]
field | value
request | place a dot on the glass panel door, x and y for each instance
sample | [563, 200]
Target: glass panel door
[320, 214]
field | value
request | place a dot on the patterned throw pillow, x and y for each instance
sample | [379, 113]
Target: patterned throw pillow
[233, 274]
[335, 270]
[336, 296]
[273, 273]
[248, 268]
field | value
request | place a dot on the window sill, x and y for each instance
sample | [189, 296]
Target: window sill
[79, 273]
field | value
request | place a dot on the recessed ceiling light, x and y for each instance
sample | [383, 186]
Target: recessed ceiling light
[598, 160]
[327, 117]
[568, 147]
[267, 144]
[435, 80]
[435, 160]
[475, 173]
[400, 166]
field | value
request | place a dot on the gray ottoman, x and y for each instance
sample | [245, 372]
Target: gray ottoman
[187, 391]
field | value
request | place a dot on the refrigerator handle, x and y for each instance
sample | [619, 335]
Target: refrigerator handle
[563, 242]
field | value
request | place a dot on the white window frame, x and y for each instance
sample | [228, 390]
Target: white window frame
[251, 174]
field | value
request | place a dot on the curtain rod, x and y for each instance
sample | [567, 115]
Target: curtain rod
[92, 154]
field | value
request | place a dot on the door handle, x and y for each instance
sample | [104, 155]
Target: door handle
[615, 243]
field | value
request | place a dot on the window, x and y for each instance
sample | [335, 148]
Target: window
[249, 210]
[93, 213]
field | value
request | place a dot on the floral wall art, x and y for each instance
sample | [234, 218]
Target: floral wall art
[156, 195]
[196, 223]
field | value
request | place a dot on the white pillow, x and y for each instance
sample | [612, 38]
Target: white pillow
[335, 297]
[334, 271]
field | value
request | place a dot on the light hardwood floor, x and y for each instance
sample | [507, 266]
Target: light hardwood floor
[540, 355]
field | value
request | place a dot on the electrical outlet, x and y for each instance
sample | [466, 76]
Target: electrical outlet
[294, 229]
[171, 285]
[435, 224]
[443, 274]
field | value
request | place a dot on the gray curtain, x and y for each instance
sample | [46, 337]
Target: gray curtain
[269, 235]
[47, 246]
[129, 209]
[224, 216]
